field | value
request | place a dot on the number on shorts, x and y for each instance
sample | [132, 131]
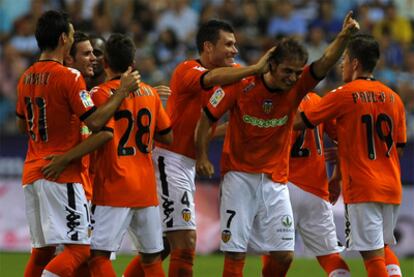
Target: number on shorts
[387, 138]
[232, 214]
[141, 131]
[297, 148]
[184, 200]
[42, 122]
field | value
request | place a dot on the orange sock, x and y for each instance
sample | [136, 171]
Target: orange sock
[376, 267]
[232, 267]
[134, 268]
[72, 256]
[272, 267]
[392, 263]
[154, 269]
[181, 263]
[38, 260]
[82, 271]
[101, 266]
[333, 264]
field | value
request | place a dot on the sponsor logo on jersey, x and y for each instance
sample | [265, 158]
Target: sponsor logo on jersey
[186, 214]
[217, 96]
[225, 236]
[267, 106]
[287, 221]
[86, 98]
[265, 123]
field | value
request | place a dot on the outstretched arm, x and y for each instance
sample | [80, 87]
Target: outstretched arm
[334, 51]
[228, 75]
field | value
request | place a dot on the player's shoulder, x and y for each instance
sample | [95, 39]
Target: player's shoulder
[191, 65]
[69, 73]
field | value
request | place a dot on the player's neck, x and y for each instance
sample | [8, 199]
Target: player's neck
[54, 55]
[363, 76]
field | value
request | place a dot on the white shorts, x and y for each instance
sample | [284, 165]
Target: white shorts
[315, 222]
[57, 213]
[175, 175]
[255, 214]
[111, 224]
[370, 225]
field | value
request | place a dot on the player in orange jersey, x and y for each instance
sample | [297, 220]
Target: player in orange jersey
[255, 209]
[309, 194]
[371, 132]
[175, 164]
[124, 189]
[49, 95]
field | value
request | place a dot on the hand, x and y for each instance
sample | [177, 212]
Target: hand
[204, 167]
[350, 26]
[334, 187]
[163, 91]
[130, 81]
[52, 170]
[262, 66]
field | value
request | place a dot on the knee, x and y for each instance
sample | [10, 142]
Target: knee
[149, 258]
[282, 257]
[235, 255]
[183, 239]
[80, 252]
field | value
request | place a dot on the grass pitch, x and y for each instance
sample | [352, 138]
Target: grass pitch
[12, 265]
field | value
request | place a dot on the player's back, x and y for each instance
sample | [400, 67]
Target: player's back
[307, 163]
[123, 167]
[369, 128]
[184, 106]
[46, 93]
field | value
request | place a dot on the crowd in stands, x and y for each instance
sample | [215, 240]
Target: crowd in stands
[163, 31]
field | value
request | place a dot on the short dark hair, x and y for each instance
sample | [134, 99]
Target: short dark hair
[78, 36]
[365, 49]
[210, 31]
[288, 48]
[49, 28]
[119, 52]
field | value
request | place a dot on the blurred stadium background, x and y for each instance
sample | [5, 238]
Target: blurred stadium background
[163, 31]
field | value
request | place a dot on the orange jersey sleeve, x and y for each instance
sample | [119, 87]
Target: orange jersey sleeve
[370, 120]
[124, 174]
[184, 106]
[49, 95]
[260, 125]
[307, 163]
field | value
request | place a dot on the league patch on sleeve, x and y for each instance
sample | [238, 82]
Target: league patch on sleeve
[86, 98]
[217, 96]
[200, 68]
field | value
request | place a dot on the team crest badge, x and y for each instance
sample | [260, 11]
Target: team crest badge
[186, 214]
[225, 236]
[287, 221]
[267, 106]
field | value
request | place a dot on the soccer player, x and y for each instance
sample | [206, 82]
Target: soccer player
[175, 164]
[309, 194]
[124, 188]
[255, 210]
[49, 94]
[371, 132]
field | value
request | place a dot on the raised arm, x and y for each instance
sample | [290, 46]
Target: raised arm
[129, 82]
[334, 51]
[228, 75]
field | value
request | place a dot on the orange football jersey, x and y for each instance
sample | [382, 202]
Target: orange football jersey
[49, 95]
[260, 125]
[307, 163]
[124, 173]
[184, 106]
[370, 121]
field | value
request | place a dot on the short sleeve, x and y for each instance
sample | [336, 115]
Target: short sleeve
[221, 100]
[163, 120]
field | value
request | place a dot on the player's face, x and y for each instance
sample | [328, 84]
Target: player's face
[98, 46]
[224, 51]
[286, 74]
[84, 58]
[346, 67]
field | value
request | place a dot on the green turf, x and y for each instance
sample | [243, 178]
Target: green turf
[12, 265]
